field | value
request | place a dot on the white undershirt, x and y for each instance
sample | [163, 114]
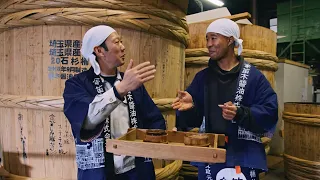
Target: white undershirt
[100, 108]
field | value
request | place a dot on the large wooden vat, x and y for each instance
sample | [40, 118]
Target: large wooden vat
[259, 49]
[39, 50]
[301, 141]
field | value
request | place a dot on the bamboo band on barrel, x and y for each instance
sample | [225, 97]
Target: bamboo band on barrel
[55, 103]
[12, 6]
[245, 53]
[93, 16]
[259, 63]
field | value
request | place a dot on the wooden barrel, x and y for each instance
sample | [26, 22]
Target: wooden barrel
[259, 49]
[40, 49]
[301, 141]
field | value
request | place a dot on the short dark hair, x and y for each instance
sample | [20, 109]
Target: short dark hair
[103, 45]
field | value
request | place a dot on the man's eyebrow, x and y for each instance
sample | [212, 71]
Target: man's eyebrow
[117, 38]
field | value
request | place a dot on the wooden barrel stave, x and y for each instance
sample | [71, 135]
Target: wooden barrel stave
[302, 157]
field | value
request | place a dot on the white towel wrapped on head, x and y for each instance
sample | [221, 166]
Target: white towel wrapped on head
[94, 37]
[228, 28]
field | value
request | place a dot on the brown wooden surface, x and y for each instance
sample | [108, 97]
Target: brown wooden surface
[93, 16]
[27, 92]
[315, 122]
[287, 61]
[198, 52]
[172, 9]
[301, 140]
[300, 168]
[302, 143]
[174, 136]
[234, 17]
[196, 64]
[254, 37]
[167, 151]
[178, 137]
[55, 103]
[302, 108]
[258, 38]
[131, 145]
[301, 115]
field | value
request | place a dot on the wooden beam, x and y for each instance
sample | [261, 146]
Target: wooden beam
[55, 103]
[165, 151]
[235, 17]
[287, 61]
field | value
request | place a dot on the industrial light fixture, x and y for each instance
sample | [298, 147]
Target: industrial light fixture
[217, 2]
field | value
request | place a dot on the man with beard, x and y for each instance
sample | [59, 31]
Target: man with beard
[230, 97]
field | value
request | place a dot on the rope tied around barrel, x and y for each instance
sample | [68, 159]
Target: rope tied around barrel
[260, 59]
[245, 53]
[94, 16]
[12, 6]
[55, 103]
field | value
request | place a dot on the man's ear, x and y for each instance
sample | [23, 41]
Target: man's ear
[230, 41]
[98, 51]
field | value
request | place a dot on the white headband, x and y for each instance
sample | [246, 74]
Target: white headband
[94, 37]
[228, 28]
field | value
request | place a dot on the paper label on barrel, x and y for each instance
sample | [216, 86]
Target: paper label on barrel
[65, 59]
[90, 155]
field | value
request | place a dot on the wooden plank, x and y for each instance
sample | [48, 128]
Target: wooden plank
[21, 134]
[2, 112]
[221, 140]
[19, 88]
[2, 58]
[53, 164]
[51, 87]
[5, 125]
[36, 143]
[7, 79]
[130, 136]
[71, 37]
[287, 61]
[215, 143]
[12, 141]
[69, 151]
[178, 137]
[173, 136]
[34, 61]
[51, 84]
[20, 61]
[8, 62]
[34, 88]
[68, 34]
[234, 17]
[165, 151]
[141, 133]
